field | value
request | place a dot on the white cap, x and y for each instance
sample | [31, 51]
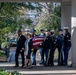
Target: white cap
[66, 28]
[27, 30]
[52, 30]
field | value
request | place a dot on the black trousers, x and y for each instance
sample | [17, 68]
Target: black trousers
[34, 57]
[51, 56]
[60, 55]
[22, 57]
[42, 56]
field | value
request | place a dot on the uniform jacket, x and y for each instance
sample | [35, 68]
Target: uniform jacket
[47, 42]
[21, 43]
[60, 40]
[53, 40]
[67, 40]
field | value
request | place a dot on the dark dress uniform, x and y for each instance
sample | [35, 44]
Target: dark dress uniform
[60, 42]
[42, 51]
[67, 46]
[52, 50]
[34, 53]
[46, 48]
[20, 44]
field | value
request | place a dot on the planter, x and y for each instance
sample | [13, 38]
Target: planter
[3, 58]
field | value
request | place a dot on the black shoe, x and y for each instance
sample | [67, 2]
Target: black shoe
[46, 65]
[41, 63]
[33, 64]
[70, 65]
[30, 67]
[25, 67]
[52, 65]
[21, 66]
[16, 66]
[59, 64]
[64, 64]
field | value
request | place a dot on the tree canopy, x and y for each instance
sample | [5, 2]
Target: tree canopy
[14, 16]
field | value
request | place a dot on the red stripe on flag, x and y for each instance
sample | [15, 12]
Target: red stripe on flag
[37, 40]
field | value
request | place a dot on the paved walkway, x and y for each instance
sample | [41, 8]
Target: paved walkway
[38, 69]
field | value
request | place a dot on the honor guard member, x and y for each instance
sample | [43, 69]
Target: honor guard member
[42, 34]
[33, 31]
[20, 48]
[60, 42]
[26, 32]
[53, 47]
[67, 44]
[46, 47]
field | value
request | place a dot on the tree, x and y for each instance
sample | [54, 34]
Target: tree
[11, 17]
[52, 19]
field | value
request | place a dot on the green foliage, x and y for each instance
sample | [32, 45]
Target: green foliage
[29, 22]
[5, 72]
[10, 20]
[5, 44]
[2, 53]
[51, 20]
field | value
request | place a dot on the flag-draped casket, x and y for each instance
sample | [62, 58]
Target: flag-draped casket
[37, 41]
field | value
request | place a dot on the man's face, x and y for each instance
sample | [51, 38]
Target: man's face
[42, 32]
[19, 33]
[64, 31]
[47, 33]
[28, 36]
[60, 32]
[52, 33]
[33, 33]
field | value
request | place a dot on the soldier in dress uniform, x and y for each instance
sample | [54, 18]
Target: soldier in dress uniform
[53, 47]
[26, 32]
[33, 31]
[60, 42]
[67, 44]
[41, 49]
[46, 47]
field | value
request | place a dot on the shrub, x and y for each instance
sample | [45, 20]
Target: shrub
[5, 72]
[2, 53]
[5, 44]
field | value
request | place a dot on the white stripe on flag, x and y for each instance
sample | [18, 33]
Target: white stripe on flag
[38, 38]
[37, 43]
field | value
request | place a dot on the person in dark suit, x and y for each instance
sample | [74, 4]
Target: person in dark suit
[33, 31]
[28, 50]
[67, 45]
[20, 48]
[60, 42]
[46, 47]
[52, 50]
[42, 34]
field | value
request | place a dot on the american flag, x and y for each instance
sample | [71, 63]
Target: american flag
[37, 41]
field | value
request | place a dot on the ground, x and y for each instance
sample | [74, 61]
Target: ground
[38, 69]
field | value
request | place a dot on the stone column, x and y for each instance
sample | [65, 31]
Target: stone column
[73, 32]
[66, 19]
[66, 15]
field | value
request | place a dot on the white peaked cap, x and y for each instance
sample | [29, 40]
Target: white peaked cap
[27, 30]
[52, 30]
[66, 28]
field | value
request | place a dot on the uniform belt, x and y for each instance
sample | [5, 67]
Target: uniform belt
[69, 40]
